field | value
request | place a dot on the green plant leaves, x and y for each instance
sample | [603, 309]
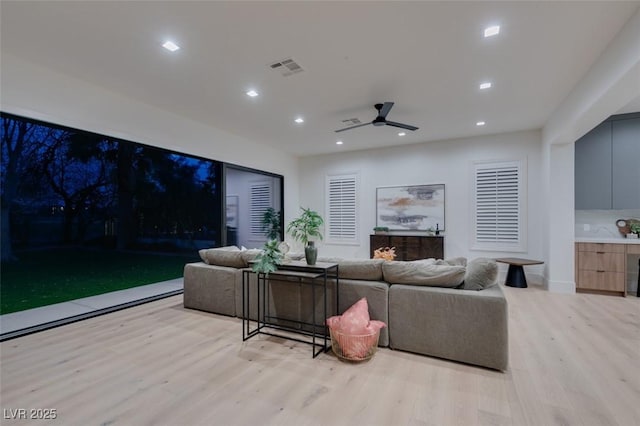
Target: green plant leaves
[306, 226]
[269, 259]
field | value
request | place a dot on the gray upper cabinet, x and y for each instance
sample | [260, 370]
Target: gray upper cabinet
[607, 165]
[626, 163]
[593, 169]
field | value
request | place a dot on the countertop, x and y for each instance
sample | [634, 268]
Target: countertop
[608, 240]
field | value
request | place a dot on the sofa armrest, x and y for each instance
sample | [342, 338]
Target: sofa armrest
[210, 288]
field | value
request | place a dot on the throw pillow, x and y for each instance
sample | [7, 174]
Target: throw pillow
[481, 273]
[203, 252]
[423, 273]
[226, 257]
[354, 320]
[356, 333]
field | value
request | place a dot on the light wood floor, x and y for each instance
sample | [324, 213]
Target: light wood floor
[574, 360]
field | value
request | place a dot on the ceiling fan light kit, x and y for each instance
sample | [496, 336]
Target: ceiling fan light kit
[381, 119]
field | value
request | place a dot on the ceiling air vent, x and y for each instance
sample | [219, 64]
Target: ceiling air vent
[286, 67]
[351, 121]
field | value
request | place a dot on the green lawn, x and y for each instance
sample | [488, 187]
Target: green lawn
[45, 277]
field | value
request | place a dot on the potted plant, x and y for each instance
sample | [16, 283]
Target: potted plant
[380, 230]
[635, 228]
[305, 227]
[269, 259]
[271, 222]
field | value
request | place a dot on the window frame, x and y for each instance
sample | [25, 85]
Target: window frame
[355, 240]
[259, 236]
[500, 245]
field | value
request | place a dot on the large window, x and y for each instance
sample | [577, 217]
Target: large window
[65, 186]
[499, 208]
[342, 208]
[85, 214]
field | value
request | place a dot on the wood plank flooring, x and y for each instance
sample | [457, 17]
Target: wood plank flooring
[574, 360]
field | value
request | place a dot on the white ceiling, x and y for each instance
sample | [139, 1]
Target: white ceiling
[427, 57]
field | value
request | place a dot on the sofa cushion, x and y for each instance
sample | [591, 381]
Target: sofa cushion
[357, 269]
[203, 252]
[454, 261]
[481, 273]
[226, 257]
[249, 255]
[423, 273]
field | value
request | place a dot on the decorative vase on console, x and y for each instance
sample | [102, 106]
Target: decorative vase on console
[305, 227]
[311, 253]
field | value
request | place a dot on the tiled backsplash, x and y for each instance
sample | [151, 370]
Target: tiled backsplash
[601, 223]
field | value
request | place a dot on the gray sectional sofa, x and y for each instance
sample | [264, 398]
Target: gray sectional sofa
[442, 308]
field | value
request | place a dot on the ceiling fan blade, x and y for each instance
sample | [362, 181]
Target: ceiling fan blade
[353, 127]
[402, 126]
[386, 107]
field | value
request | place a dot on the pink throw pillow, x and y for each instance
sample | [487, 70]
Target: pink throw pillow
[355, 322]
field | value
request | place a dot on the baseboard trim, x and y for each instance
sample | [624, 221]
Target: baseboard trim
[568, 287]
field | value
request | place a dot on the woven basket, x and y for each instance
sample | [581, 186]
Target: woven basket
[354, 347]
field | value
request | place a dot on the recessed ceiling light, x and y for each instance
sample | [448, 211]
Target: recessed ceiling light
[480, 123]
[491, 31]
[299, 120]
[339, 143]
[401, 134]
[484, 86]
[171, 46]
[252, 93]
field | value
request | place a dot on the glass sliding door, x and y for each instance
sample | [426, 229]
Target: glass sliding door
[248, 195]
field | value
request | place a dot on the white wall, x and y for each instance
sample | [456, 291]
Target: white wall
[36, 92]
[610, 84]
[447, 162]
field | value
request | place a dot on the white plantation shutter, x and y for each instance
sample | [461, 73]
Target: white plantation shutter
[498, 218]
[259, 201]
[342, 208]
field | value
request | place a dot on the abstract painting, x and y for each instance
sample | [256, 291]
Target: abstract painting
[411, 208]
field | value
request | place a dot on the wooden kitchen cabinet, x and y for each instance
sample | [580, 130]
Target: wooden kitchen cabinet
[601, 268]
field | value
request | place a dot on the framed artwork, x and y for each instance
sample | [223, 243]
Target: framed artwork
[232, 211]
[410, 208]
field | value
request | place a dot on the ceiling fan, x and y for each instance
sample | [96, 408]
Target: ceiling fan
[381, 119]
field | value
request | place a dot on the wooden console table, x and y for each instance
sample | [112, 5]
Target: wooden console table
[409, 247]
